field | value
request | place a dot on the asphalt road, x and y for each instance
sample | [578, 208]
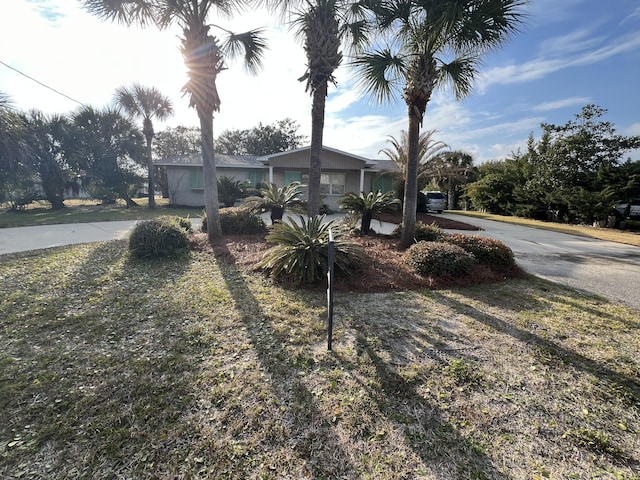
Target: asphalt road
[609, 269]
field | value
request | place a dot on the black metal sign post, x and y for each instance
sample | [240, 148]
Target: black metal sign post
[330, 292]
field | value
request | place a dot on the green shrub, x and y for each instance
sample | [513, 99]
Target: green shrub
[437, 258]
[488, 251]
[424, 232]
[237, 221]
[157, 238]
[183, 223]
[302, 251]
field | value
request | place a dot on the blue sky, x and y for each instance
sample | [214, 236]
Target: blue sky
[567, 54]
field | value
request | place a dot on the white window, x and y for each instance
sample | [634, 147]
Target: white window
[332, 183]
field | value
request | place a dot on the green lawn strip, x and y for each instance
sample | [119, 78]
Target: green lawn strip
[609, 234]
[187, 368]
[84, 212]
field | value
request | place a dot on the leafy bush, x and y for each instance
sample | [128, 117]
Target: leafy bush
[183, 223]
[157, 238]
[438, 258]
[237, 221]
[424, 232]
[488, 251]
[302, 251]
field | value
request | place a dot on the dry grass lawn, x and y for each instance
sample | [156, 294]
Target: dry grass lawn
[197, 368]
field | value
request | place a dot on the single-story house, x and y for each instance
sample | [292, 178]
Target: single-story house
[342, 172]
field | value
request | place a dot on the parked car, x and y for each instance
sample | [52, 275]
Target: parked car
[436, 201]
[634, 208]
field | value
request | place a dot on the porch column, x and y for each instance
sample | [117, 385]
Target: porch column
[362, 180]
[270, 174]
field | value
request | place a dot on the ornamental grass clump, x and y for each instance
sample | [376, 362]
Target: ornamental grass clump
[301, 253]
[161, 237]
[431, 259]
[487, 251]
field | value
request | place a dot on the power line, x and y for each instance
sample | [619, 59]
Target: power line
[40, 83]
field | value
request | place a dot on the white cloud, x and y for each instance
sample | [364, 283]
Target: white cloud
[575, 52]
[566, 102]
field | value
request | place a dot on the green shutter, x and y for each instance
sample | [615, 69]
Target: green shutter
[196, 179]
[255, 177]
[384, 183]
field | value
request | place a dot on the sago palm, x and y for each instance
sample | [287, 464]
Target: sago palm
[367, 205]
[276, 200]
[204, 55]
[146, 103]
[430, 45]
[301, 253]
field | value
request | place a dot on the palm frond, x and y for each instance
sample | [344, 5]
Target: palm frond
[380, 74]
[250, 45]
[459, 74]
[128, 12]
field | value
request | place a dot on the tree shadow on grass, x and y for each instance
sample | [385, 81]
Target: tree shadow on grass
[103, 376]
[427, 434]
[440, 446]
[311, 434]
[579, 361]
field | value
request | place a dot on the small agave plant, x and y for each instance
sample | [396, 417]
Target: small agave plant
[301, 253]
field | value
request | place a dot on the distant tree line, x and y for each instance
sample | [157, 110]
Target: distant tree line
[573, 173]
[102, 154]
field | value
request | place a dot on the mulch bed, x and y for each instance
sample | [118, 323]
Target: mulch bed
[383, 271]
[428, 219]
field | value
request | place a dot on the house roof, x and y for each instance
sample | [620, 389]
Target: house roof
[367, 161]
[254, 161]
[222, 160]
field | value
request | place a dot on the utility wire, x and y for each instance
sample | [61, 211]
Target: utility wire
[40, 83]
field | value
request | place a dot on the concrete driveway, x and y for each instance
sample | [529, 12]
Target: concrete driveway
[609, 269]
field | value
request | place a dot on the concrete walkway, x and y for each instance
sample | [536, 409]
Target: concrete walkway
[22, 239]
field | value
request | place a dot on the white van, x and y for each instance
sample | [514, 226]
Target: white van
[436, 201]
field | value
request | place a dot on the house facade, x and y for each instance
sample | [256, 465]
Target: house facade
[342, 172]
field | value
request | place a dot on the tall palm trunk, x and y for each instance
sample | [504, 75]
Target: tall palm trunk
[315, 154]
[410, 201]
[212, 205]
[204, 61]
[421, 79]
[150, 180]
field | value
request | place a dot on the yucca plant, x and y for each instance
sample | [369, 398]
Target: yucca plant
[367, 205]
[302, 251]
[276, 200]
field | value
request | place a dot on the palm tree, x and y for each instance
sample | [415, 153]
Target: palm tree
[323, 25]
[450, 169]
[204, 56]
[428, 148]
[16, 154]
[145, 103]
[367, 205]
[431, 44]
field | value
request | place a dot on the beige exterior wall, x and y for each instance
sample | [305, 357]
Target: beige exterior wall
[178, 179]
